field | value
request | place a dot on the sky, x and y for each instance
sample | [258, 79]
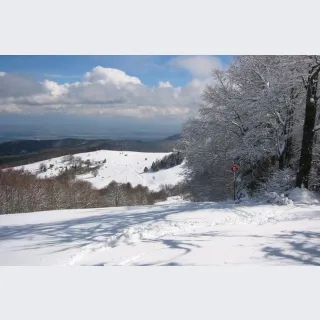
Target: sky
[116, 96]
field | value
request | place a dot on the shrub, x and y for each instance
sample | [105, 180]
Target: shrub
[274, 198]
[87, 163]
[179, 189]
[68, 158]
[279, 181]
[42, 167]
[24, 192]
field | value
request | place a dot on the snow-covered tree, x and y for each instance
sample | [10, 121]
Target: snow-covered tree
[253, 115]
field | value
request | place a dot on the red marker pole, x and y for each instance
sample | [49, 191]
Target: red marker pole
[234, 185]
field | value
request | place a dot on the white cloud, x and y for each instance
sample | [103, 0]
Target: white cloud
[198, 66]
[102, 91]
[2, 74]
[166, 84]
[10, 109]
[108, 75]
[54, 88]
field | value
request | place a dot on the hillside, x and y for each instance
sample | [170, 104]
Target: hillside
[120, 166]
[174, 233]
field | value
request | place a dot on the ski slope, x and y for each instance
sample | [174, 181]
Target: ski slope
[172, 233]
[120, 166]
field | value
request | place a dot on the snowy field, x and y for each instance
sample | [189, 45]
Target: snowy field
[120, 166]
[172, 233]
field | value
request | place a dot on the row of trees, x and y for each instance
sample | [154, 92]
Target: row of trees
[173, 159]
[261, 113]
[24, 192]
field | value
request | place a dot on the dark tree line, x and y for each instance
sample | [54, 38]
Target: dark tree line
[169, 161]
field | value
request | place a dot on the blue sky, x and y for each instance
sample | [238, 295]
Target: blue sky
[71, 68]
[124, 92]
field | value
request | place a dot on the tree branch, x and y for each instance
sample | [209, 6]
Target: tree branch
[304, 82]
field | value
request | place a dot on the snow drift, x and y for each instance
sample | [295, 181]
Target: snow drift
[303, 196]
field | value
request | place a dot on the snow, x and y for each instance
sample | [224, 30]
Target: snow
[172, 233]
[303, 196]
[317, 127]
[120, 166]
[275, 198]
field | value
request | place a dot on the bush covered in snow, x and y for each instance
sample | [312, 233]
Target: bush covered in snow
[243, 194]
[303, 196]
[179, 189]
[279, 181]
[275, 198]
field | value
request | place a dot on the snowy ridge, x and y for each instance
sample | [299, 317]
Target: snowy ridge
[120, 166]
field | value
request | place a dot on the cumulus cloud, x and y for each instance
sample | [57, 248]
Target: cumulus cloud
[166, 84]
[198, 66]
[54, 88]
[108, 75]
[101, 91]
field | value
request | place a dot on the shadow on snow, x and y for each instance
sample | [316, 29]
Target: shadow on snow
[303, 247]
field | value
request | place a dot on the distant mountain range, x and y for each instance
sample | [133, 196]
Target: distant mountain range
[174, 137]
[22, 152]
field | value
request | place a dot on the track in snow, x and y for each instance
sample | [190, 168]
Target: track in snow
[171, 234]
[157, 232]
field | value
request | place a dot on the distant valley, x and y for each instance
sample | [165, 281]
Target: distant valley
[21, 152]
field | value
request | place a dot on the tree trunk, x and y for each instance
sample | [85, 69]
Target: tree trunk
[308, 129]
[288, 151]
[286, 156]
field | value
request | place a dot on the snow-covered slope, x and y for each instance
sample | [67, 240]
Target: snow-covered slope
[120, 166]
[172, 233]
